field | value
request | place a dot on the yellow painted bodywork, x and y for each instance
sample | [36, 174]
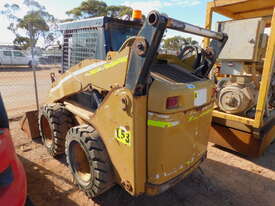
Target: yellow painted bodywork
[243, 9]
[175, 147]
[160, 142]
[90, 73]
[128, 160]
[172, 59]
[172, 150]
[161, 89]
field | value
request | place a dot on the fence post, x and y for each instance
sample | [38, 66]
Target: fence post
[33, 68]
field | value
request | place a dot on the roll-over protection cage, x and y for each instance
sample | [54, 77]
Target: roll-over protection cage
[91, 38]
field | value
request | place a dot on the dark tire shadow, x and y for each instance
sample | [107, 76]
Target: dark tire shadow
[217, 184]
[61, 158]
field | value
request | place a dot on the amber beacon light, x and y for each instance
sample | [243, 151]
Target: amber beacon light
[137, 15]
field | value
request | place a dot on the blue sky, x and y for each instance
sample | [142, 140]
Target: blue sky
[192, 11]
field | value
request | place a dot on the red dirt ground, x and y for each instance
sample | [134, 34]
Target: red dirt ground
[225, 179]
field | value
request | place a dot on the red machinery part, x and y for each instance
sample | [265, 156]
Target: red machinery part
[13, 186]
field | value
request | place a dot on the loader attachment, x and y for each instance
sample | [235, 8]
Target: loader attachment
[29, 124]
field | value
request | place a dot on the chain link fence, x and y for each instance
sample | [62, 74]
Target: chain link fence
[17, 82]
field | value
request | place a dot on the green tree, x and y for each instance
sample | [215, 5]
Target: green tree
[190, 41]
[177, 42]
[22, 42]
[9, 12]
[89, 8]
[94, 8]
[120, 10]
[35, 24]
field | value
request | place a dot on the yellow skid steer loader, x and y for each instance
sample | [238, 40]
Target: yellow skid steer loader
[136, 118]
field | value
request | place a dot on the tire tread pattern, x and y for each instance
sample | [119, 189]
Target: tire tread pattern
[98, 159]
[60, 121]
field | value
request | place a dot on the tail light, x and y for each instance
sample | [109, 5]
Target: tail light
[6, 177]
[172, 102]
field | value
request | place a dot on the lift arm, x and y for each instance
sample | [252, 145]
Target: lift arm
[130, 66]
[149, 38]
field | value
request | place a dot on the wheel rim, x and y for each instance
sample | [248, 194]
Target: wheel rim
[79, 162]
[46, 131]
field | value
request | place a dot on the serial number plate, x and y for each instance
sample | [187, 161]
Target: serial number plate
[123, 136]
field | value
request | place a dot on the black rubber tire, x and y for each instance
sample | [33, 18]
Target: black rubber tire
[98, 162]
[54, 120]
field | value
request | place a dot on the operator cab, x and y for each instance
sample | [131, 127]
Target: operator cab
[93, 38]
